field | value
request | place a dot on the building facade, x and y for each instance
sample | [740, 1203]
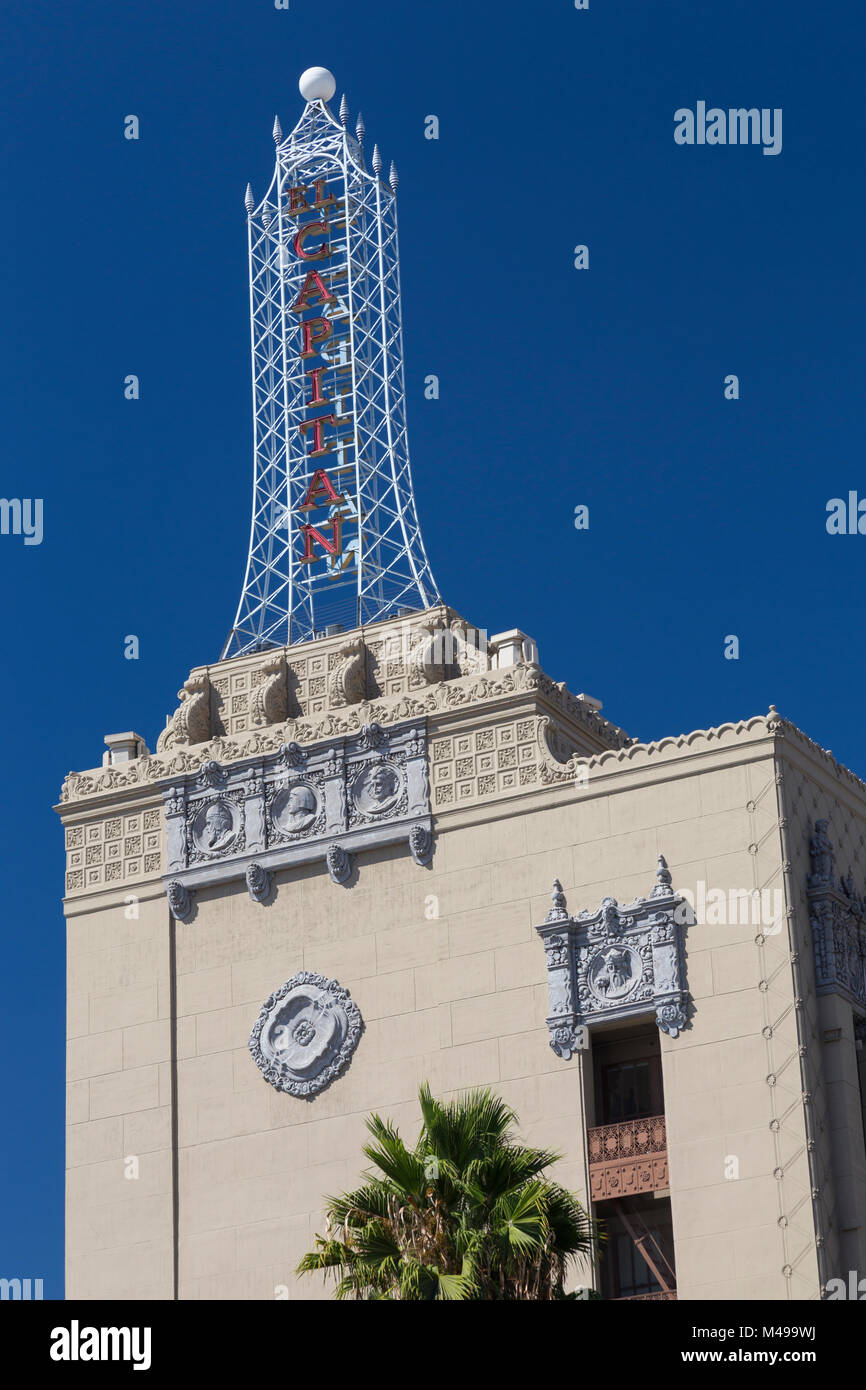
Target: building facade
[374, 847]
[686, 1032]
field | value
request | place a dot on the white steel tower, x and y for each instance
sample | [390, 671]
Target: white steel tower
[335, 537]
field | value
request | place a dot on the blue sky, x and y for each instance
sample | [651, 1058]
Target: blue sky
[558, 387]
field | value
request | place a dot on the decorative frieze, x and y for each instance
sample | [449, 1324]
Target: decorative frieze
[510, 769]
[305, 1034]
[837, 915]
[478, 763]
[116, 850]
[615, 963]
[323, 802]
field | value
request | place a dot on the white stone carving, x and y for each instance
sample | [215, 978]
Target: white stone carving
[305, 1034]
[614, 963]
[315, 804]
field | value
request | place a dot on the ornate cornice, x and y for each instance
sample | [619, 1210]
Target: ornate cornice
[638, 754]
[452, 696]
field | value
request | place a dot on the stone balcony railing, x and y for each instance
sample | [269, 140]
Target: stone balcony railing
[628, 1158]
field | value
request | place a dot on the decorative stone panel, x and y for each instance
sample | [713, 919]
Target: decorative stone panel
[323, 802]
[476, 764]
[122, 848]
[616, 963]
[305, 1034]
[837, 914]
[310, 719]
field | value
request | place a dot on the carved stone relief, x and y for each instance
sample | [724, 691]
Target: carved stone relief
[617, 962]
[190, 722]
[269, 701]
[322, 802]
[497, 768]
[305, 1034]
[837, 915]
[347, 682]
[114, 850]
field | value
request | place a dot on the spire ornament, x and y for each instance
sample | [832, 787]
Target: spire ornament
[559, 911]
[335, 537]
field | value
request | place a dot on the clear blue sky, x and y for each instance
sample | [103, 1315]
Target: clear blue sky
[558, 387]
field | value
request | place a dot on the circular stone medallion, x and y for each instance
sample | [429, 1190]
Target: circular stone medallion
[378, 788]
[295, 808]
[215, 826]
[305, 1034]
[614, 973]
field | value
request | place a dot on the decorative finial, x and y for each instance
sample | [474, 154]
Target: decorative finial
[377, 160]
[773, 717]
[344, 110]
[393, 179]
[249, 200]
[317, 84]
[360, 129]
[278, 131]
[663, 873]
[559, 910]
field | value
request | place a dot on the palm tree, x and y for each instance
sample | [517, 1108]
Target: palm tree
[465, 1214]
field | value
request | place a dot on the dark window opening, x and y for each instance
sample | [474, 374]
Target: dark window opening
[628, 1078]
[636, 1268]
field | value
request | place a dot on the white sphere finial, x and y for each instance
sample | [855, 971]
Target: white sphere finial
[317, 83]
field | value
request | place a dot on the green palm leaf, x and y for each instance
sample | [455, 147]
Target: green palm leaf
[468, 1213]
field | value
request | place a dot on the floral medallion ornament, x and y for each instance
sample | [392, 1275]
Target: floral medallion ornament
[305, 1034]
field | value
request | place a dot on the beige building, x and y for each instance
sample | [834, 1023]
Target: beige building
[359, 860]
[332, 881]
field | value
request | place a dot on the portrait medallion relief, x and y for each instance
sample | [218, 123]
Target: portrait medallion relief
[215, 826]
[295, 808]
[305, 1034]
[377, 788]
[324, 804]
[621, 961]
[614, 972]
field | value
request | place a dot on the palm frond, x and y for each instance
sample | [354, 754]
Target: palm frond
[468, 1213]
